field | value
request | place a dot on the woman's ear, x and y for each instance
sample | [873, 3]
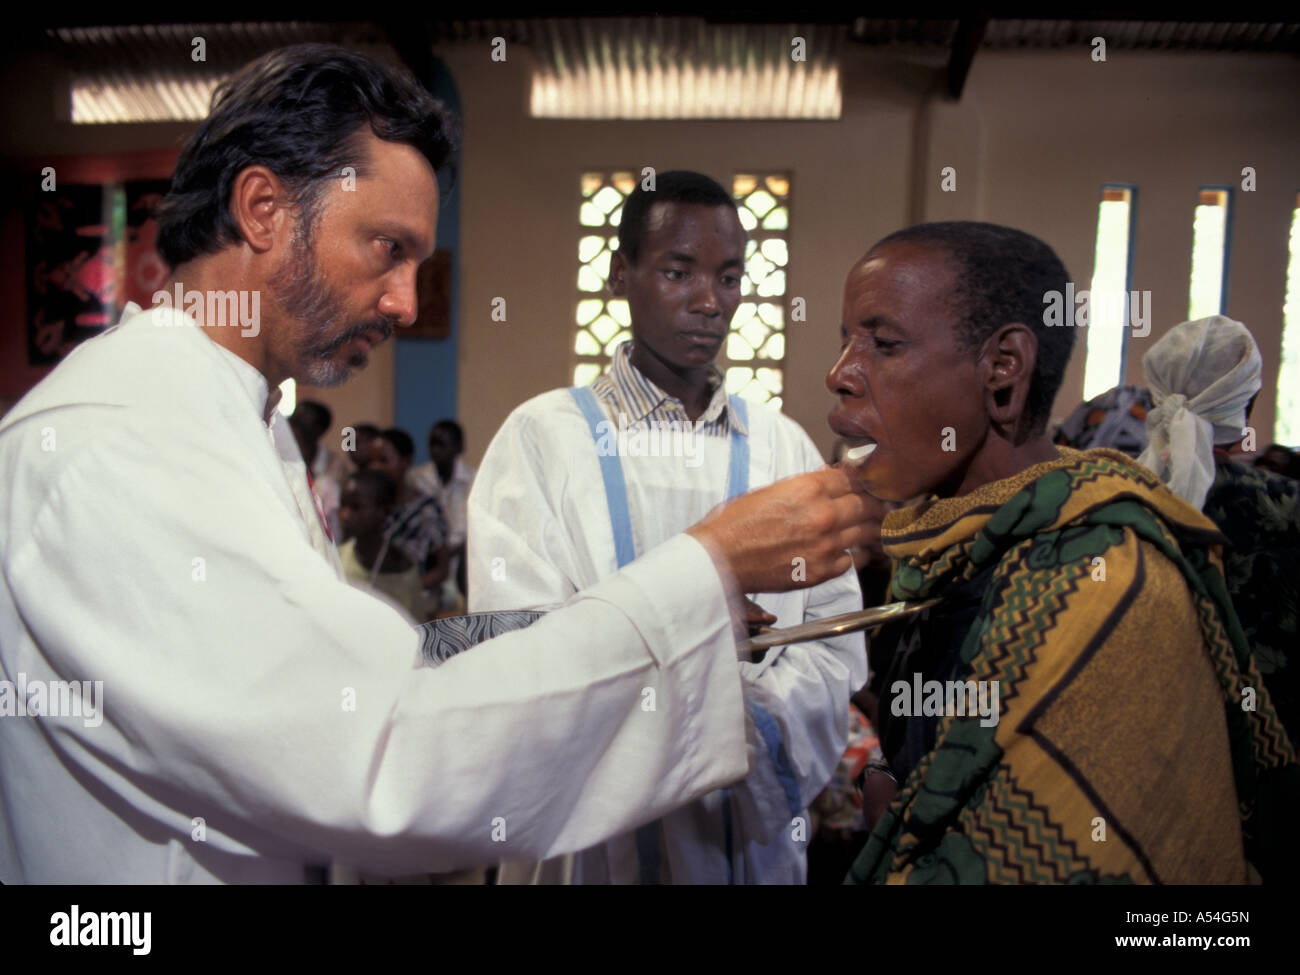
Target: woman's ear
[1010, 356]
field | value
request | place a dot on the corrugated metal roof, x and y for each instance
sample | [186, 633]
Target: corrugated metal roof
[642, 67]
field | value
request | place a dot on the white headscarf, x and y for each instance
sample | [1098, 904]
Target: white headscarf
[1201, 375]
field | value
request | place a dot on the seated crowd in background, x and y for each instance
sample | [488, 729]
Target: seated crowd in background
[369, 558]
[449, 479]
[423, 523]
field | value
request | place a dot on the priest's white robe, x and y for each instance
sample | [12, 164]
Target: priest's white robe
[259, 715]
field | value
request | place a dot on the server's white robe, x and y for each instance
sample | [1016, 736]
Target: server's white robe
[259, 715]
[540, 530]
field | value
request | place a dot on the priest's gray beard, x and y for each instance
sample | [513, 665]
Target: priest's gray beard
[305, 296]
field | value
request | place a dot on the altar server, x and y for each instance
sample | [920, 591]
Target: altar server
[578, 482]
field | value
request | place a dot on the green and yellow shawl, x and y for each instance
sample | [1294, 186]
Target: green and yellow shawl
[1136, 741]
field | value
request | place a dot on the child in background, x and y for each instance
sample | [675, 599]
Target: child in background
[369, 561]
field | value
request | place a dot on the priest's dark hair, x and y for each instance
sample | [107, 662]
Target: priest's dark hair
[300, 111]
[675, 186]
[1004, 275]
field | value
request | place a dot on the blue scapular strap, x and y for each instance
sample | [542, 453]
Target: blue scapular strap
[611, 472]
[620, 517]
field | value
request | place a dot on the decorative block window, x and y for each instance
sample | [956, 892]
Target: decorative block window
[603, 321]
[755, 351]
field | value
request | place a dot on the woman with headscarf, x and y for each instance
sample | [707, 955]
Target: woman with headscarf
[1203, 377]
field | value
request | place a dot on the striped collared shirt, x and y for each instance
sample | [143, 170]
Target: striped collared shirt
[623, 390]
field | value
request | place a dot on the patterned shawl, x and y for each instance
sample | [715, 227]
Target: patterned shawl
[1130, 706]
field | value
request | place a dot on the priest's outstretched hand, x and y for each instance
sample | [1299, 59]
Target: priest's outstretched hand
[789, 535]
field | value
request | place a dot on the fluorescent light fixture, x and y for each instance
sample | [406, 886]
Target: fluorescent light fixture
[684, 68]
[101, 99]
